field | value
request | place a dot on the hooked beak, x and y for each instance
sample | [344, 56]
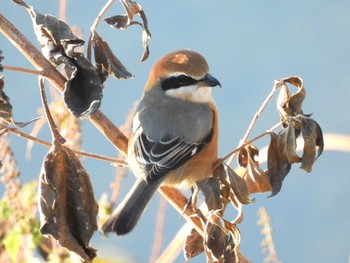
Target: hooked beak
[210, 81]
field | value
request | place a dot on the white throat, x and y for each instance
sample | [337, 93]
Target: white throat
[191, 93]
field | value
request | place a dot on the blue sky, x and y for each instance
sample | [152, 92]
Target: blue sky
[247, 44]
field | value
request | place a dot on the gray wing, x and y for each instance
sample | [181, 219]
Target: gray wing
[157, 158]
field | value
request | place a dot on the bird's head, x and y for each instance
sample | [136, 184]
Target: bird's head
[183, 74]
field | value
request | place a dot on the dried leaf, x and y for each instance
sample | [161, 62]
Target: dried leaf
[106, 62]
[220, 244]
[118, 21]
[278, 166]
[239, 186]
[244, 153]
[287, 143]
[312, 135]
[257, 179]
[1, 59]
[220, 175]
[290, 105]
[126, 20]
[193, 245]
[67, 206]
[211, 192]
[217, 239]
[83, 91]
[5, 105]
[55, 37]
[319, 140]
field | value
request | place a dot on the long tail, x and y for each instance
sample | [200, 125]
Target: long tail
[125, 217]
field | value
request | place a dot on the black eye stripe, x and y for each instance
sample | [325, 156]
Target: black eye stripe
[176, 82]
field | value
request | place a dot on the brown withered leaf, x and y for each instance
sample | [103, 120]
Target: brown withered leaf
[231, 253]
[220, 175]
[5, 105]
[313, 138]
[67, 206]
[220, 244]
[289, 105]
[193, 245]
[256, 178]
[83, 91]
[278, 167]
[123, 21]
[287, 142]
[238, 186]
[319, 140]
[106, 62]
[245, 152]
[55, 37]
[211, 192]
[1, 59]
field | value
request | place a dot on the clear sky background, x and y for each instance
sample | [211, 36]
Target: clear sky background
[247, 44]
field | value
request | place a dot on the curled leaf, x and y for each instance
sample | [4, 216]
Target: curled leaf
[123, 21]
[313, 138]
[106, 62]
[5, 105]
[278, 167]
[1, 59]
[193, 245]
[83, 90]
[211, 192]
[67, 206]
[221, 242]
[55, 37]
[246, 152]
[289, 105]
[287, 141]
[238, 186]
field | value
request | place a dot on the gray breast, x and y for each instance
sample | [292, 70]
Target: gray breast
[171, 117]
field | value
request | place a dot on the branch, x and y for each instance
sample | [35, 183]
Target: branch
[98, 119]
[95, 24]
[48, 144]
[101, 122]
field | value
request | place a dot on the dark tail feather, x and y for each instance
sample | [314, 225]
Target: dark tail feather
[125, 217]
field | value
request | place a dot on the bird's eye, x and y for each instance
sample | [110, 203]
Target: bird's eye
[185, 80]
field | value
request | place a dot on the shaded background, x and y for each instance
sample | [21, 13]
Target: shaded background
[247, 44]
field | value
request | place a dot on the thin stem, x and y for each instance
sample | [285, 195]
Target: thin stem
[258, 113]
[48, 144]
[252, 123]
[55, 133]
[221, 160]
[95, 24]
[25, 70]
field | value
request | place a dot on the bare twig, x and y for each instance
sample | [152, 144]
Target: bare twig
[25, 70]
[48, 144]
[101, 122]
[252, 123]
[221, 160]
[95, 24]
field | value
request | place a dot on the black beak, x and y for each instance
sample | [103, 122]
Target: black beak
[210, 81]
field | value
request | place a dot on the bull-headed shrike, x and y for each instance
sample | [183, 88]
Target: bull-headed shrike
[175, 134]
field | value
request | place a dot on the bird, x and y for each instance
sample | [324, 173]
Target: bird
[174, 138]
